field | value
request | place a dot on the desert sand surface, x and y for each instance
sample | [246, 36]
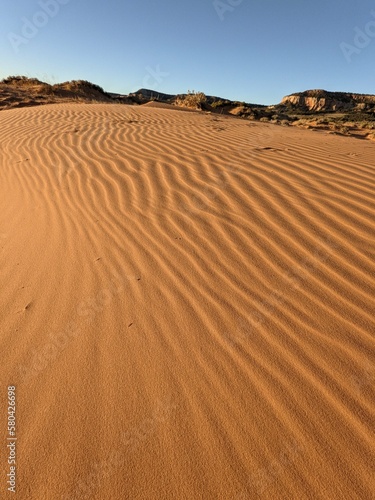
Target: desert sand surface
[187, 306]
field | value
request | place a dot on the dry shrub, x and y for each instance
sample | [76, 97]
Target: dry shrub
[193, 100]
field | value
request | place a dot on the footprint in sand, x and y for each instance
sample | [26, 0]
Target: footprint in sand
[26, 308]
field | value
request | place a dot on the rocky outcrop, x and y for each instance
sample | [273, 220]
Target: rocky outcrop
[19, 91]
[321, 100]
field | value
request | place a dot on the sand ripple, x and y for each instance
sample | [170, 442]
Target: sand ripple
[187, 305]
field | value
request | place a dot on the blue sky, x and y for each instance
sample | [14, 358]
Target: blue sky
[249, 50]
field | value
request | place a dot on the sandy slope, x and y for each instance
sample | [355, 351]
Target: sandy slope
[186, 306]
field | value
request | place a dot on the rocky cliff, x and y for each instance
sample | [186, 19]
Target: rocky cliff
[321, 100]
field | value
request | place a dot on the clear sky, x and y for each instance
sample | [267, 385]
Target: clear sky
[250, 50]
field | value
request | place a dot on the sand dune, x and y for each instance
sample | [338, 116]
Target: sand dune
[187, 306]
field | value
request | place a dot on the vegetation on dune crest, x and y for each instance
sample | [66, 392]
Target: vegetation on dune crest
[21, 81]
[73, 85]
[19, 91]
[192, 99]
[80, 84]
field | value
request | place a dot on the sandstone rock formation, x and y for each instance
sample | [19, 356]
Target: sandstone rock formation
[322, 100]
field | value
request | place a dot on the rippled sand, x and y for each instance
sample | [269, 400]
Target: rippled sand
[187, 306]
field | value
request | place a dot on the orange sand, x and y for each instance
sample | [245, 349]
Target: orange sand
[187, 306]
